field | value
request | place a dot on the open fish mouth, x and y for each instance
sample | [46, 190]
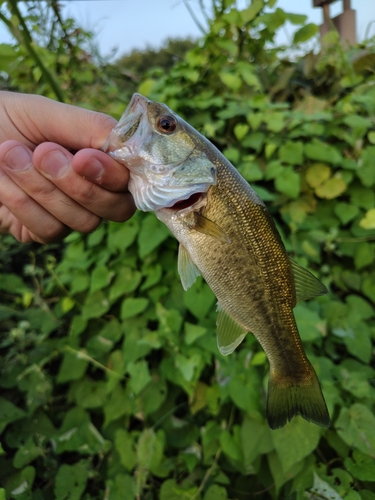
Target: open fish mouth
[126, 127]
[187, 203]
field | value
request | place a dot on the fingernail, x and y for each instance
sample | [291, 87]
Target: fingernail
[93, 170]
[18, 159]
[54, 163]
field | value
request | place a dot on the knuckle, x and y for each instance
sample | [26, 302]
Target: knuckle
[44, 190]
[88, 224]
[86, 193]
[52, 231]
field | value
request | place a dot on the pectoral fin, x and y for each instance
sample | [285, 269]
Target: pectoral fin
[187, 270]
[230, 334]
[307, 286]
[207, 226]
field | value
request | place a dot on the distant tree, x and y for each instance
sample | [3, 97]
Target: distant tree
[138, 62]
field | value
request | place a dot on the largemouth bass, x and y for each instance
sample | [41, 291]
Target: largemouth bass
[227, 235]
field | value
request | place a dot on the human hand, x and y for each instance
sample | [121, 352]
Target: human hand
[45, 190]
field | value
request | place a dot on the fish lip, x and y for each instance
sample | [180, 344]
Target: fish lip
[131, 118]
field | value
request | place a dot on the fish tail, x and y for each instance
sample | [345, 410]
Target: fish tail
[288, 396]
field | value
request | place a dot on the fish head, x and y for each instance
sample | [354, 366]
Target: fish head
[163, 154]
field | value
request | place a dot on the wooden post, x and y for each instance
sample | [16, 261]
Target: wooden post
[345, 23]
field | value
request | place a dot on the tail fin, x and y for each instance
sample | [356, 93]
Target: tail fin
[287, 398]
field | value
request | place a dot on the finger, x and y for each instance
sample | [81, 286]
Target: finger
[39, 119]
[17, 164]
[25, 219]
[54, 163]
[101, 169]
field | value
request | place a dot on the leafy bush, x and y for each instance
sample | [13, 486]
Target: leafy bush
[112, 384]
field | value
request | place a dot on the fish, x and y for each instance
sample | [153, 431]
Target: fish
[227, 235]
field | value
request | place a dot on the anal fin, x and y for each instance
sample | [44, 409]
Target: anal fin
[307, 286]
[187, 270]
[229, 333]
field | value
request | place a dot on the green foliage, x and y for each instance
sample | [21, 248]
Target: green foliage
[112, 383]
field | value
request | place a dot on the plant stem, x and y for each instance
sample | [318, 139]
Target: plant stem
[28, 42]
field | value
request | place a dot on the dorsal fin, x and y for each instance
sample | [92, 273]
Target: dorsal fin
[229, 333]
[307, 286]
[187, 270]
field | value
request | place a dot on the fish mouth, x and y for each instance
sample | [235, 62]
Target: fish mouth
[126, 127]
[189, 202]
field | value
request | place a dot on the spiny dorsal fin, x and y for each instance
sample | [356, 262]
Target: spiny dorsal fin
[187, 270]
[229, 333]
[307, 286]
[207, 226]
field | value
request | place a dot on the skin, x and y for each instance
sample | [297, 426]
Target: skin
[53, 178]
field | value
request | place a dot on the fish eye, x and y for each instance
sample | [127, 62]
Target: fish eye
[167, 124]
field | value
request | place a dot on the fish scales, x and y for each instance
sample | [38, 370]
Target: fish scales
[251, 277]
[227, 235]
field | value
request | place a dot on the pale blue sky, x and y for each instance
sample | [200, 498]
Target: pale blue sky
[128, 24]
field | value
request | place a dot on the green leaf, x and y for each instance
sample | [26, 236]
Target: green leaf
[371, 137]
[231, 445]
[140, 375]
[310, 325]
[199, 299]
[151, 235]
[72, 368]
[291, 152]
[95, 306]
[133, 306]
[79, 434]
[288, 182]
[320, 151]
[362, 467]
[240, 130]
[254, 119]
[232, 81]
[12, 283]
[317, 174]
[122, 488]
[125, 446]
[346, 212]
[296, 18]
[100, 278]
[368, 222]
[193, 332]
[170, 490]
[321, 489]
[90, 393]
[121, 236]
[215, 492]
[20, 485]
[26, 453]
[305, 33]
[355, 426]
[364, 254]
[357, 122]
[295, 441]
[330, 189]
[187, 366]
[251, 12]
[9, 413]
[127, 280]
[70, 481]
